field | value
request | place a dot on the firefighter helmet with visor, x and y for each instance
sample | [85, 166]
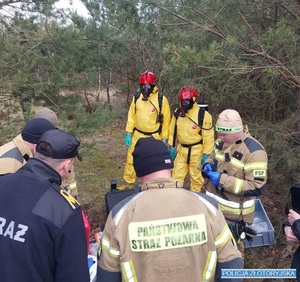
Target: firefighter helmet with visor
[147, 77]
[147, 83]
[187, 96]
[188, 92]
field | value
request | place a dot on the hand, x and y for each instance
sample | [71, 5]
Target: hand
[172, 152]
[128, 139]
[237, 230]
[203, 159]
[250, 232]
[214, 177]
[241, 230]
[292, 216]
[290, 237]
[205, 169]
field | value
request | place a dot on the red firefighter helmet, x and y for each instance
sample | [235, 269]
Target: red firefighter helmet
[188, 92]
[147, 77]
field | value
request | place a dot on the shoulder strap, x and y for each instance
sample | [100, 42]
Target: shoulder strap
[160, 99]
[160, 115]
[175, 133]
[201, 114]
[175, 128]
[136, 96]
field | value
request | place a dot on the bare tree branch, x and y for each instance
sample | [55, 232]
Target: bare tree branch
[275, 63]
[212, 29]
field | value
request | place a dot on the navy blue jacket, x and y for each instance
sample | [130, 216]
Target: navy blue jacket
[42, 234]
[296, 256]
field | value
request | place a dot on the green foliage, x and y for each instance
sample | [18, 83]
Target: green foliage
[79, 122]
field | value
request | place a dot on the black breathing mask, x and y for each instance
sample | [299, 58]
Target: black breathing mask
[186, 106]
[146, 91]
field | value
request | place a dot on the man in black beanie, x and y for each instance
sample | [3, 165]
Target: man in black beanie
[164, 233]
[14, 154]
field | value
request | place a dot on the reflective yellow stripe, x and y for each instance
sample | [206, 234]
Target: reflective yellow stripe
[232, 207]
[219, 156]
[210, 266]
[238, 186]
[233, 161]
[256, 165]
[73, 185]
[128, 271]
[106, 246]
[237, 163]
[236, 211]
[223, 237]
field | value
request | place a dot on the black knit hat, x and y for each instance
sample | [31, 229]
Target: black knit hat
[34, 128]
[151, 155]
[58, 144]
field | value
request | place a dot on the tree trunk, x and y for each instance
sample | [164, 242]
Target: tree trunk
[298, 109]
[107, 89]
[98, 85]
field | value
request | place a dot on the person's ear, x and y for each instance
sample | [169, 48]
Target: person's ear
[66, 166]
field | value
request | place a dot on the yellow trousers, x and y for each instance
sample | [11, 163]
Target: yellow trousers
[181, 168]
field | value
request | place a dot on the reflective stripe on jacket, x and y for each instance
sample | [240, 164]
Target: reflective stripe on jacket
[243, 165]
[166, 234]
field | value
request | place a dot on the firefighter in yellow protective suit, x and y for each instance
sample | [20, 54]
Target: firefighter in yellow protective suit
[149, 115]
[237, 173]
[196, 141]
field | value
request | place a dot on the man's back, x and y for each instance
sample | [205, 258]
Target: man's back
[35, 221]
[173, 235]
[12, 155]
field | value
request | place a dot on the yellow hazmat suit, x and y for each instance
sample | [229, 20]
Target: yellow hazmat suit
[143, 122]
[193, 143]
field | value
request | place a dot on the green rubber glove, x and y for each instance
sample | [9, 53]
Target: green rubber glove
[203, 159]
[172, 152]
[128, 139]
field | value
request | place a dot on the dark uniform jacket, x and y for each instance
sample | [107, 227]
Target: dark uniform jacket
[42, 235]
[296, 256]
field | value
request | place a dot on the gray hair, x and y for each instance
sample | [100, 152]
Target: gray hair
[54, 163]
